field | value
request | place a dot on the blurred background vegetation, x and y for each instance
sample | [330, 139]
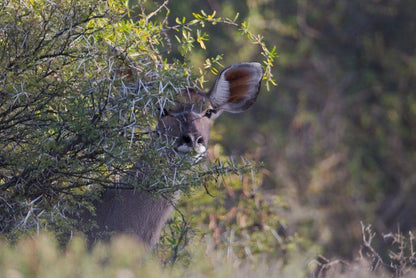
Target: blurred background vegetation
[336, 135]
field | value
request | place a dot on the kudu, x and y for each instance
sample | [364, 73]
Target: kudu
[189, 122]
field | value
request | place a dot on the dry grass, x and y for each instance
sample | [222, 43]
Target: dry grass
[40, 256]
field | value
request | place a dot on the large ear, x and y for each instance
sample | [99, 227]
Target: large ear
[236, 88]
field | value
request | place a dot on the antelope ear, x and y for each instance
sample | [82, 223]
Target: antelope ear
[236, 88]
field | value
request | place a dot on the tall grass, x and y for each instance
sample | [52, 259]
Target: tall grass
[123, 257]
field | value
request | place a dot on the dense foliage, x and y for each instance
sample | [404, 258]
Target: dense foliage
[82, 85]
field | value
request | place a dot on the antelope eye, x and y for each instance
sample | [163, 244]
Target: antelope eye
[209, 113]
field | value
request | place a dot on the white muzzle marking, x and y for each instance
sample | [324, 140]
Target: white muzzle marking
[184, 148]
[199, 149]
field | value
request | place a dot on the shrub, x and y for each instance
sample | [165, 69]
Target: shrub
[81, 87]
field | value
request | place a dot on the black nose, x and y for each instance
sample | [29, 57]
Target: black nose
[187, 139]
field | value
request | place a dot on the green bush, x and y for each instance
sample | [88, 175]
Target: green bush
[82, 86]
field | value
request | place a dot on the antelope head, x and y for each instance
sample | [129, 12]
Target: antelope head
[189, 122]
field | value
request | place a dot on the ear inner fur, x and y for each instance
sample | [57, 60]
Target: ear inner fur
[237, 87]
[240, 82]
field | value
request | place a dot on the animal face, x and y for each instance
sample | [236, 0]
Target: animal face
[190, 121]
